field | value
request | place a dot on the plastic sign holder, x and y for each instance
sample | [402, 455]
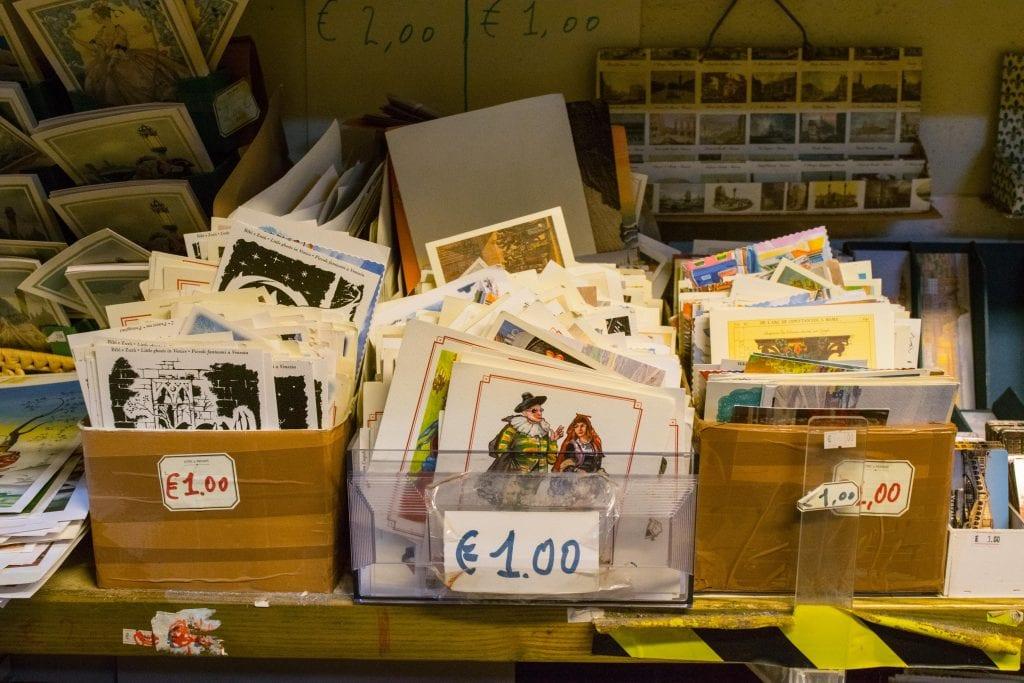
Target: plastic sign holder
[543, 538]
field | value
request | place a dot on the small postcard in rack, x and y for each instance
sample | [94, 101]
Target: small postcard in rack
[41, 251]
[525, 243]
[105, 284]
[15, 107]
[214, 22]
[155, 214]
[117, 51]
[28, 317]
[16, 148]
[124, 143]
[26, 215]
[104, 246]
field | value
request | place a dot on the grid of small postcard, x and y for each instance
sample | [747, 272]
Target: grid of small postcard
[771, 130]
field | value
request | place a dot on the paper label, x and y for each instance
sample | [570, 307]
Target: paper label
[235, 108]
[845, 438]
[829, 496]
[986, 539]
[521, 552]
[205, 481]
[886, 487]
[135, 636]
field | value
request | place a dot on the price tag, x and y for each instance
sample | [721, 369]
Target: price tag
[986, 539]
[521, 552]
[829, 496]
[886, 487]
[204, 481]
[234, 107]
[845, 438]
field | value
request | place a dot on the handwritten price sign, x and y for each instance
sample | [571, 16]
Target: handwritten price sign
[521, 552]
[198, 482]
[886, 488]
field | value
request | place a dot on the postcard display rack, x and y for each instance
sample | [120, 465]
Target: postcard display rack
[487, 536]
[732, 131]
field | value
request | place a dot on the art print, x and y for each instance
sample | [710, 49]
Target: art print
[214, 22]
[24, 214]
[525, 243]
[143, 387]
[16, 148]
[27, 321]
[116, 52]
[109, 287]
[39, 251]
[38, 432]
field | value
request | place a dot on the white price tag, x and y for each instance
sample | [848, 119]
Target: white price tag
[829, 496]
[205, 481]
[845, 438]
[886, 487]
[521, 552]
[986, 539]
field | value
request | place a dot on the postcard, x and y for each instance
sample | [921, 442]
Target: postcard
[26, 215]
[15, 107]
[41, 251]
[908, 402]
[788, 273]
[125, 143]
[183, 386]
[18, 50]
[773, 364]
[842, 332]
[31, 319]
[503, 420]
[16, 148]
[295, 391]
[103, 246]
[102, 285]
[118, 51]
[39, 424]
[155, 214]
[525, 243]
[214, 22]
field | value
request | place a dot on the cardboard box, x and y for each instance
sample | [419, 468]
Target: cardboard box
[216, 510]
[985, 563]
[750, 478]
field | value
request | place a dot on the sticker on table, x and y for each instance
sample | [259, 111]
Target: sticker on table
[201, 481]
[541, 553]
[187, 632]
[885, 488]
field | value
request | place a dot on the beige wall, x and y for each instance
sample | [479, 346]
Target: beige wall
[963, 41]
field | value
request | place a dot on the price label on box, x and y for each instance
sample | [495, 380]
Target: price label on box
[202, 481]
[886, 487]
[521, 552]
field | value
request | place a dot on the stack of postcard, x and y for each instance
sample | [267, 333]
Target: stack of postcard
[268, 330]
[43, 496]
[779, 332]
[124, 52]
[519, 362]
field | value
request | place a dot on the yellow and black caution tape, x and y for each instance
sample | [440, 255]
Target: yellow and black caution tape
[822, 637]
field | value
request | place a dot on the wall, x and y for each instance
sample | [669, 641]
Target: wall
[963, 41]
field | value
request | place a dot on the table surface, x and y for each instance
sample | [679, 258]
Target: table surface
[71, 615]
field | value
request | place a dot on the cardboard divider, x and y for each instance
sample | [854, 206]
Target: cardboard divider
[283, 533]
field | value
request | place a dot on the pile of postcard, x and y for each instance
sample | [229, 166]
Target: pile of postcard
[765, 328]
[233, 344]
[43, 496]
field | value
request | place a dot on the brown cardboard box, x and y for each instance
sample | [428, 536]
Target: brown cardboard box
[751, 476]
[280, 533]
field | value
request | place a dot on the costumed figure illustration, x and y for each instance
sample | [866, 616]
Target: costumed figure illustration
[117, 73]
[581, 449]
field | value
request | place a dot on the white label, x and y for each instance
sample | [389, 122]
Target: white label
[829, 496]
[986, 539]
[886, 487]
[521, 552]
[846, 438]
[205, 481]
[235, 107]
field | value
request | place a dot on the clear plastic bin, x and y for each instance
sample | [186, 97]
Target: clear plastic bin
[597, 538]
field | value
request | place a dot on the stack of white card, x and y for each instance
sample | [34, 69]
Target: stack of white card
[43, 498]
